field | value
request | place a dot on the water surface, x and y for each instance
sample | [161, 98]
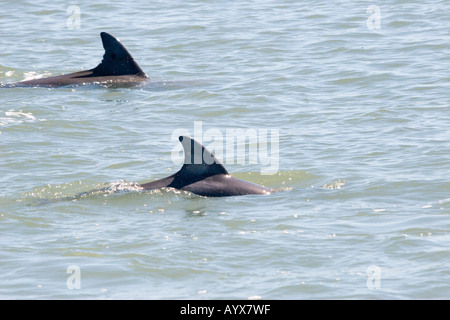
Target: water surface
[363, 120]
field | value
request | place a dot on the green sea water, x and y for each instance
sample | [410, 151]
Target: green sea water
[358, 93]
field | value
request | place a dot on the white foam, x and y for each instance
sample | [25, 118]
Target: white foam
[32, 75]
[16, 117]
[123, 185]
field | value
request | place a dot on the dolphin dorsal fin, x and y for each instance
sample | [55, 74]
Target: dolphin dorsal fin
[117, 61]
[198, 160]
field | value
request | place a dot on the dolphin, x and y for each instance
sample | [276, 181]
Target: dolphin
[117, 67]
[203, 174]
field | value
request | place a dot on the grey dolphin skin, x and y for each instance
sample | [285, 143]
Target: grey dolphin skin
[117, 67]
[204, 175]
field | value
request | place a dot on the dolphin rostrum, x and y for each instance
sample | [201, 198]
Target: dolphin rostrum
[204, 175]
[117, 67]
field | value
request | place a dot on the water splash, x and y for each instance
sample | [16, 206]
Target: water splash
[123, 186]
[32, 75]
[53, 194]
[336, 184]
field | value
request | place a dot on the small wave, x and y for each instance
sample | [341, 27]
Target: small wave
[48, 195]
[32, 75]
[122, 185]
[336, 184]
[15, 117]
